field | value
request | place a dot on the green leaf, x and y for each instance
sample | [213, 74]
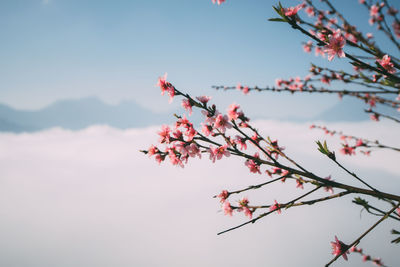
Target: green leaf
[277, 10]
[360, 201]
[388, 82]
[396, 241]
[321, 147]
[395, 232]
[277, 19]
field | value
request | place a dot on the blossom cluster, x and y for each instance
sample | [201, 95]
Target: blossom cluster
[222, 135]
[366, 257]
[346, 148]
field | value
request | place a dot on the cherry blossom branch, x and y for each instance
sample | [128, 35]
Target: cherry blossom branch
[354, 175]
[294, 25]
[304, 90]
[357, 241]
[373, 48]
[364, 142]
[301, 173]
[367, 207]
[376, 261]
[271, 211]
[252, 187]
[382, 25]
[377, 114]
[346, 28]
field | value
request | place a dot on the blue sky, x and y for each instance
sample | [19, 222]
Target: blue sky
[115, 50]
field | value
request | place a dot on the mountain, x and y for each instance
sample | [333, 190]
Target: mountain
[351, 109]
[79, 114]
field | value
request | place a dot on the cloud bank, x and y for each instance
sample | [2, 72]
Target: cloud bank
[89, 198]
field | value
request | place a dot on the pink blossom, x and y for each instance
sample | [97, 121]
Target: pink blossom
[239, 86]
[217, 1]
[299, 183]
[347, 150]
[279, 82]
[152, 150]
[350, 37]
[370, 35]
[206, 129]
[184, 122]
[398, 211]
[248, 212]
[223, 196]
[245, 90]
[319, 51]
[210, 118]
[241, 142]
[221, 123]
[216, 153]
[366, 258]
[187, 105]
[374, 11]
[283, 173]
[292, 11]
[194, 150]
[310, 11]
[361, 1]
[190, 133]
[162, 83]
[339, 248]
[233, 113]
[166, 86]
[276, 148]
[307, 47]
[276, 207]
[386, 64]
[182, 147]
[360, 142]
[174, 159]
[377, 262]
[177, 134]
[164, 134]
[253, 166]
[335, 45]
[374, 117]
[159, 158]
[227, 208]
[328, 188]
[243, 203]
[355, 249]
[325, 79]
[203, 99]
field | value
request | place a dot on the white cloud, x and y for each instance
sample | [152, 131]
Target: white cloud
[46, 2]
[89, 198]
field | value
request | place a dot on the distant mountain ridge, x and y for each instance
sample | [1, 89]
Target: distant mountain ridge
[78, 114]
[351, 109]
[75, 114]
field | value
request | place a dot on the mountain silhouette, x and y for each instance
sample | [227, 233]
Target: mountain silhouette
[78, 114]
[351, 109]
[75, 114]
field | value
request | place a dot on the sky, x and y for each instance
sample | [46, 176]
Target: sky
[89, 198]
[116, 50]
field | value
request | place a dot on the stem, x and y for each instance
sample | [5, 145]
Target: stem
[364, 234]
